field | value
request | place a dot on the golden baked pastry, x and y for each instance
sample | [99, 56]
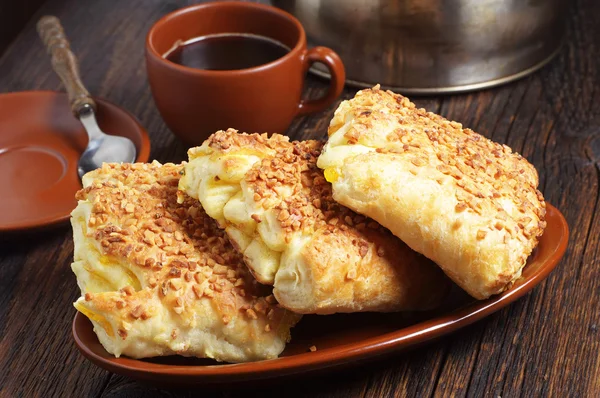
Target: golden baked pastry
[467, 203]
[276, 207]
[160, 278]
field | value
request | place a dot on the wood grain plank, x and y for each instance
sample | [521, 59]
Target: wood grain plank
[539, 360]
[37, 355]
[546, 344]
[13, 16]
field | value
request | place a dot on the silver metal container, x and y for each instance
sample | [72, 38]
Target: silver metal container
[434, 46]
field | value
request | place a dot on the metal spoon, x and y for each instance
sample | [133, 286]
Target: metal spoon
[101, 148]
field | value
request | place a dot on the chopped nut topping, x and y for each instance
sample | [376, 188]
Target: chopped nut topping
[139, 218]
[488, 179]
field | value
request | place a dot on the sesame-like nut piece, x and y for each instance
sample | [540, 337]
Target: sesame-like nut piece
[120, 304]
[175, 272]
[251, 314]
[88, 296]
[267, 328]
[128, 290]
[313, 348]
[220, 269]
[178, 236]
[260, 307]
[351, 275]
[175, 284]
[363, 249]
[136, 312]
[164, 289]
[122, 333]
[198, 291]
[380, 251]
[460, 207]
[481, 234]
[152, 282]
[256, 217]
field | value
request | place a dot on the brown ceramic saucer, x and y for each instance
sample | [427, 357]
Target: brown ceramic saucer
[342, 339]
[40, 145]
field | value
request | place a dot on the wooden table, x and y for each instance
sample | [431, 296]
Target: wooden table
[546, 344]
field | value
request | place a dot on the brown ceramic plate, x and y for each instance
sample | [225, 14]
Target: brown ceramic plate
[342, 339]
[40, 145]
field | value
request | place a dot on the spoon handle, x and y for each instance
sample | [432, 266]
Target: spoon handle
[64, 63]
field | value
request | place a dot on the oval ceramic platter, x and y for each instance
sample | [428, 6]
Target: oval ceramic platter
[341, 339]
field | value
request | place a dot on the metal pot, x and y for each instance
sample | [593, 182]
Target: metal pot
[434, 46]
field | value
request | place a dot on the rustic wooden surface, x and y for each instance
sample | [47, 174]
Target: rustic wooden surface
[546, 344]
[13, 15]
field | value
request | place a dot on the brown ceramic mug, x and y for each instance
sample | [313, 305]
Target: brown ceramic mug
[195, 103]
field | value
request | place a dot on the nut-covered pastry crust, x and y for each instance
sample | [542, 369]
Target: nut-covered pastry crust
[321, 257]
[467, 203]
[160, 278]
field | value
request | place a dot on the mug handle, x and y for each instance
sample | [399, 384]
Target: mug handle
[336, 84]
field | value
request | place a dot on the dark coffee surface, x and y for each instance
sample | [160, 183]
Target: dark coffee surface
[227, 52]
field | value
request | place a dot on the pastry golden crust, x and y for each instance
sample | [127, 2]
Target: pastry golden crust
[321, 257]
[160, 278]
[467, 203]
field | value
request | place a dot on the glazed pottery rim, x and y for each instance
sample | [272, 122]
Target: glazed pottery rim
[293, 52]
[335, 356]
[143, 154]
